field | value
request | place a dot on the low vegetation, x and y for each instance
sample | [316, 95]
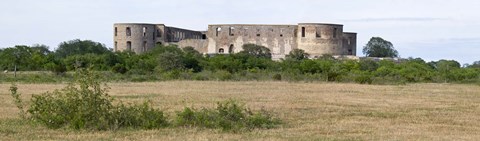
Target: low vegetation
[253, 63]
[85, 104]
[228, 116]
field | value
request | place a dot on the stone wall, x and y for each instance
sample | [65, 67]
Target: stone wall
[138, 37]
[350, 43]
[174, 34]
[135, 37]
[198, 44]
[319, 39]
[315, 38]
[229, 38]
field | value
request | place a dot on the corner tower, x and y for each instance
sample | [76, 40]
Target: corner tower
[318, 39]
[350, 43]
[137, 37]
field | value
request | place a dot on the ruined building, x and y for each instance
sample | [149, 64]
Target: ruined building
[315, 38]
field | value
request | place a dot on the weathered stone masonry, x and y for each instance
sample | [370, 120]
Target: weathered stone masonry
[315, 38]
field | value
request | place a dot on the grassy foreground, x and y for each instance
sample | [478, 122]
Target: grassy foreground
[324, 111]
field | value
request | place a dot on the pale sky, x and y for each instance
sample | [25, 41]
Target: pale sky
[429, 29]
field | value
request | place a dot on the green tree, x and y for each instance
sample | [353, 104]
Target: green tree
[24, 57]
[446, 67]
[169, 61]
[378, 47]
[256, 50]
[41, 49]
[415, 71]
[297, 54]
[192, 58]
[475, 64]
[79, 47]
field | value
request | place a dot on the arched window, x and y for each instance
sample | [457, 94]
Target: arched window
[221, 50]
[115, 31]
[230, 49]
[217, 31]
[230, 31]
[303, 31]
[129, 46]
[144, 31]
[128, 31]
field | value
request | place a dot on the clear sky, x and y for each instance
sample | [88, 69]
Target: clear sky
[429, 29]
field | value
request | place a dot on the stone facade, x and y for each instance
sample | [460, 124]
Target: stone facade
[315, 38]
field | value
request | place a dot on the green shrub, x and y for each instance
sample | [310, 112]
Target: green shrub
[84, 104]
[227, 116]
[223, 75]
[364, 78]
[119, 68]
[277, 77]
[138, 116]
[170, 75]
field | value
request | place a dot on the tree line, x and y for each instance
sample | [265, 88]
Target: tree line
[253, 63]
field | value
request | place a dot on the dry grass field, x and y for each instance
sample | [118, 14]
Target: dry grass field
[311, 111]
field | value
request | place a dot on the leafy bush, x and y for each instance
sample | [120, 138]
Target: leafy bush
[223, 75]
[364, 78]
[84, 104]
[138, 116]
[227, 116]
[277, 77]
[119, 68]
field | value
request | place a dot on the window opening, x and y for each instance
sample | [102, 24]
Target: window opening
[217, 31]
[159, 34]
[334, 32]
[303, 31]
[144, 31]
[230, 31]
[230, 49]
[129, 46]
[129, 31]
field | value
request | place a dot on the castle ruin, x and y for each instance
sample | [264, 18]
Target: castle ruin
[315, 38]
